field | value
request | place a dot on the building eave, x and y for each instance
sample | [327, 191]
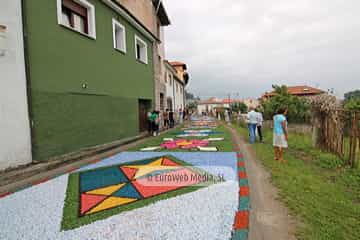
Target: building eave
[170, 67]
[162, 14]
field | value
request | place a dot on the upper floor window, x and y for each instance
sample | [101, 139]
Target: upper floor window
[78, 15]
[141, 50]
[119, 36]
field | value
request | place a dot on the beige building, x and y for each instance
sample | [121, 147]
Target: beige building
[153, 16]
[181, 71]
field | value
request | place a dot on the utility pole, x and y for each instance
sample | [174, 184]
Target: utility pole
[229, 97]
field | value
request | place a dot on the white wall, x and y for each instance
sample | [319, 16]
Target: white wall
[15, 144]
[169, 88]
[176, 95]
[179, 96]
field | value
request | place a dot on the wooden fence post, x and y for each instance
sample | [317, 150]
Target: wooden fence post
[354, 139]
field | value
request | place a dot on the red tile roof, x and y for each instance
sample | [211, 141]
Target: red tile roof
[299, 90]
[177, 63]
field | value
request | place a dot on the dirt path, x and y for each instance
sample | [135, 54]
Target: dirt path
[269, 218]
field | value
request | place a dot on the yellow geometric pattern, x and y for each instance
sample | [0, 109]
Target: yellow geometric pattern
[143, 170]
[107, 191]
[110, 203]
[184, 143]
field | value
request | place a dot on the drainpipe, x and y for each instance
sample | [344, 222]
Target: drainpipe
[27, 74]
[173, 80]
[184, 96]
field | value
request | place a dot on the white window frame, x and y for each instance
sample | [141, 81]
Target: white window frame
[138, 39]
[117, 24]
[91, 17]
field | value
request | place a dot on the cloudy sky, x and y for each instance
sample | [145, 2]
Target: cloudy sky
[242, 47]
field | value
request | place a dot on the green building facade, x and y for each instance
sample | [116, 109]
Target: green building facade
[84, 92]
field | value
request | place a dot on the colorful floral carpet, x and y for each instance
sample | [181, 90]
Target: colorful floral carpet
[184, 144]
[116, 199]
[127, 186]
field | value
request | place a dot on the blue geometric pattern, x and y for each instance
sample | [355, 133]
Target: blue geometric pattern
[94, 179]
[128, 191]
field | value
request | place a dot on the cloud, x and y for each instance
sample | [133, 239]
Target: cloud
[243, 46]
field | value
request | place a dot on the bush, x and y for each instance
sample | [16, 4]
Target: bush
[298, 108]
[239, 107]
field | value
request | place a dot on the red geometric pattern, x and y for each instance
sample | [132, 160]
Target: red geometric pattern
[149, 188]
[241, 164]
[244, 191]
[241, 220]
[242, 175]
[129, 172]
[240, 155]
[167, 162]
[88, 201]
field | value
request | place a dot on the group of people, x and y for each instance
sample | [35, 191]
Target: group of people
[280, 137]
[165, 120]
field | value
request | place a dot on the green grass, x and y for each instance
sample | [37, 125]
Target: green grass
[322, 194]
[223, 146]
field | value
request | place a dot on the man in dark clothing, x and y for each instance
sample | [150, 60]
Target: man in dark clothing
[171, 119]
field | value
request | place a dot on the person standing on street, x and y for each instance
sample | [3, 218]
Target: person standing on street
[154, 118]
[181, 116]
[252, 121]
[280, 140]
[260, 120]
[171, 118]
[166, 119]
[148, 117]
[227, 116]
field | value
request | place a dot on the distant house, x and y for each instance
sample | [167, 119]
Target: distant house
[300, 91]
[213, 103]
[181, 68]
[176, 79]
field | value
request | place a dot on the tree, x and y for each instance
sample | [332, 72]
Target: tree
[353, 104]
[191, 96]
[239, 107]
[352, 100]
[350, 95]
[298, 108]
[192, 105]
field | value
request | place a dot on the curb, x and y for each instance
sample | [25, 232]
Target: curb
[104, 153]
[241, 222]
[46, 179]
